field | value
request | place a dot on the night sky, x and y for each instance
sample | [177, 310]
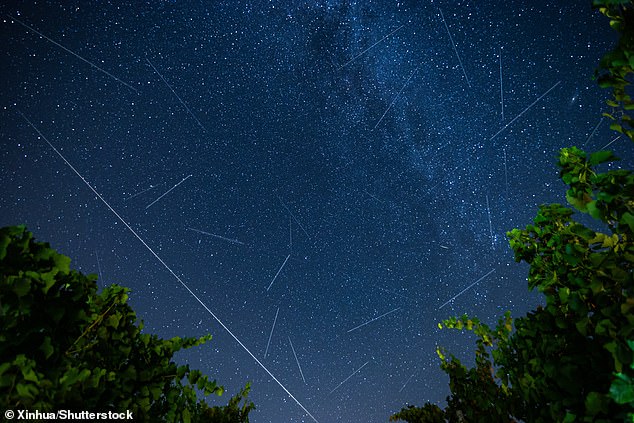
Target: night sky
[325, 176]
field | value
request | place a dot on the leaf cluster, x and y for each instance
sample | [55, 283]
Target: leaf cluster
[64, 345]
[539, 371]
[616, 67]
[587, 279]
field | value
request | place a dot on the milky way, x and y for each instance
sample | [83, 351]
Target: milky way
[317, 183]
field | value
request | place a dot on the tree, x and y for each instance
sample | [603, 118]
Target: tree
[572, 360]
[65, 346]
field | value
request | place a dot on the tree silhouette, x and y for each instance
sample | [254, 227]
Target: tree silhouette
[64, 346]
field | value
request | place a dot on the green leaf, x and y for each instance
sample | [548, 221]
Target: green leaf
[601, 157]
[193, 377]
[156, 393]
[83, 375]
[187, 418]
[622, 389]
[616, 127]
[62, 263]
[4, 367]
[21, 286]
[628, 219]
[113, 320]
[26, 391]
[585, 233]
[594, 403]
[46, 347]
[594, 211]
[605, 327]
[30, 375]
[582, 326]
[4, 243]
[49, 280]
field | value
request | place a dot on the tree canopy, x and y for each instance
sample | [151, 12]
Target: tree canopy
[63, 345]
[571, 360]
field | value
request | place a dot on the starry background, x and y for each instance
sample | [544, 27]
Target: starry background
[329, 164]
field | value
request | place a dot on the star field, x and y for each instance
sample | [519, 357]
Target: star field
[330, 178]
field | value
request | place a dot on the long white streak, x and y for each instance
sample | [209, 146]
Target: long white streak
[224, 238]
[454, 48]
[464, 290]
[346, 379]
[376, 318]
[506, 173]
[501, 86]
[169, 269]
[395, 97]
[406, 382]
[177, 96]
[139, 193]
[167, 192]
[271, 334]
[594, 131]
[300, 367]
[489, 215]
[293, 216]
[374, 196]
[610, 143]
[73, 53]
[278, 272]
[524, 111]
[369, 48]
[101, 280]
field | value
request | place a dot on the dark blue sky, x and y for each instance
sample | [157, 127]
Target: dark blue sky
[344, 154]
